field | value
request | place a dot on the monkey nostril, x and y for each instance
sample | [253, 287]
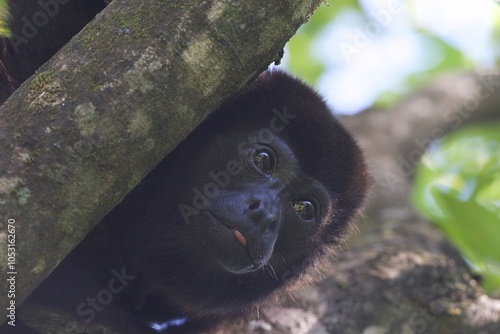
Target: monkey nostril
[254, 206]
[273, 225]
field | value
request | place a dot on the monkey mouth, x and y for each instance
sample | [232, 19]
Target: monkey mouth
[238, 236]
[224, 233]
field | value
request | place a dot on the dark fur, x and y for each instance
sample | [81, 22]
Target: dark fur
[21, 56]
[176, 263]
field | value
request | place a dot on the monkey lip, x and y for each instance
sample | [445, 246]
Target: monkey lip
[245, 261]
[238, 236]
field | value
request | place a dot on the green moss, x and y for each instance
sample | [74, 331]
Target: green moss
[23, 194]
[41, 80]
[139, 125]
[85, 118]
[44, 92]
[15, 186]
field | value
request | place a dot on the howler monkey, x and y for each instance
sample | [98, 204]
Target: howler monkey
[264, 186]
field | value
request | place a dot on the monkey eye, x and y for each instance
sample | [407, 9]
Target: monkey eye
[263, 160]
[304, 208]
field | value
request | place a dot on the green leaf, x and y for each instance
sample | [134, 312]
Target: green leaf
[4, 11]
[457, 187]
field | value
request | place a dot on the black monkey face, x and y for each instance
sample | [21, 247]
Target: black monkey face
[248, 202]
[253, 200]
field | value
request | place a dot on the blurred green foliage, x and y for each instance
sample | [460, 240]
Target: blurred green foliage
[446, 56]
[4, 31]
[457, 186]
[301, 61]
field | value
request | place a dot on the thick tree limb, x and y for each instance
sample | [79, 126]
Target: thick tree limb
[82, 132]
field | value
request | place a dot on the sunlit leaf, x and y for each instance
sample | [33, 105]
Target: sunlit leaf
[4, 10]
[457, 187]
